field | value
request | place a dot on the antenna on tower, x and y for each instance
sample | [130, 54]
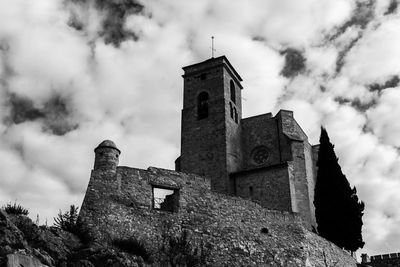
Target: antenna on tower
[212, 47]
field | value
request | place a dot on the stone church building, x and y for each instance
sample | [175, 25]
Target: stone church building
[243, 185]
[265, 158]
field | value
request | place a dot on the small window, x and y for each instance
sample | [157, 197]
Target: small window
[233, 92]
[231, 108]
[250, 191]
[166, 199]
[203, 76]
[202, 105]
[236, 116]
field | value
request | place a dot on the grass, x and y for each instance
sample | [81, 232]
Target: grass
[15, 209]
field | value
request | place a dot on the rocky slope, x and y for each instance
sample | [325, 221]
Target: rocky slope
[23, 243]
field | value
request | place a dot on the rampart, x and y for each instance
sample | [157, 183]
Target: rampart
[384, 260]
[240, 232]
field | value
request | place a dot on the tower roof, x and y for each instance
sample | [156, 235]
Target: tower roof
[109, 144]
[211, 63]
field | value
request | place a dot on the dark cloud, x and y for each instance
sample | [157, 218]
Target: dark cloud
[392, 82]
[392, 7]
[55, 114]
[357, 103]
[113, 29]
[361, 16]
[294, 63]
[22, 109]
[75, 22]
[58, 116]
[258, 38]
[343, 53]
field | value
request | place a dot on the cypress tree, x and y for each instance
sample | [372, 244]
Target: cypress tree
[337, 209]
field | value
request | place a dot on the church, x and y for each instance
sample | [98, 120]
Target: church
[243, 185]
[265, 158]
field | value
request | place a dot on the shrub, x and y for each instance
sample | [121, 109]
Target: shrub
[69, 221]
[16, 209]
[182, 250]
[132, 246]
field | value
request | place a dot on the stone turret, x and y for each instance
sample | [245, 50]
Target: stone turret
[106, 156]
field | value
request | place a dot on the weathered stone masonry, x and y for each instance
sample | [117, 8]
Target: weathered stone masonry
[245, 186]
[241, 156]
[119, 204]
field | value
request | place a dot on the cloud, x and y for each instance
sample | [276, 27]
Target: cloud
[390, 83]
[294, 63]
[73, 73]
[380, 47]
[392, 8]
[382, 117]
[55, 114]
[113, 15]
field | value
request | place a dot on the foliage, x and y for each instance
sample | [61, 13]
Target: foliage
[67, 220]
[133, 246]
[183, 250]
[337, 208]
[15, 209]
[71, 222]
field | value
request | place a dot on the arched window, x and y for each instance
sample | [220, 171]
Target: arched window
[202, 105]
[231, 108]
[233, 92]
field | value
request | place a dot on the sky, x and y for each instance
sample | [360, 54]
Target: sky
[76, 72]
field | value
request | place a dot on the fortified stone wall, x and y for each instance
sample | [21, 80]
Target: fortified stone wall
[384, 260]
[240, 232]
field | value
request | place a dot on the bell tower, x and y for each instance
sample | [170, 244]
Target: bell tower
[211, 117]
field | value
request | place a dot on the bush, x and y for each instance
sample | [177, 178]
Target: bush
[69, 221]
[15, 209]
[182, 250]
[132, 246]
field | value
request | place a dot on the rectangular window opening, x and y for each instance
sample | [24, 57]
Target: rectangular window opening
[165, 199]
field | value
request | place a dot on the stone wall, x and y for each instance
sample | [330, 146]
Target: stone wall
[311, 174]
[240, 232]
[384, 260]
[233, 141]
[260, 130]
[268, 186]
[211, 146]
[300, 193]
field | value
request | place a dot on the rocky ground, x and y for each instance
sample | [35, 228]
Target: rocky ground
[23, 243]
